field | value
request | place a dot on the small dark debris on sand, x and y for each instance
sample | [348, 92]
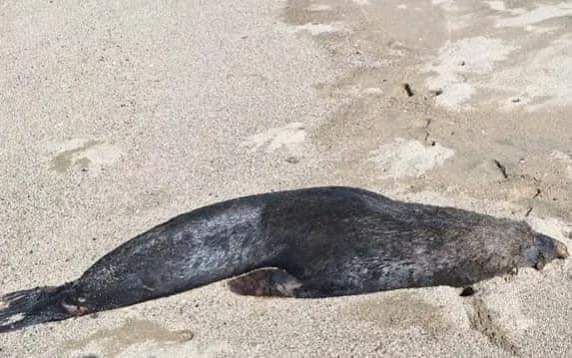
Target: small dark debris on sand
[408, 90]
[437, 92]
[502, 168]
[528, 212]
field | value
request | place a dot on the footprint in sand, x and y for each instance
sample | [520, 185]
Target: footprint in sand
[290, 137]
[82, 153]
[408, 158]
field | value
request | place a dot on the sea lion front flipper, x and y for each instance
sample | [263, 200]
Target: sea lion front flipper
[268, 282]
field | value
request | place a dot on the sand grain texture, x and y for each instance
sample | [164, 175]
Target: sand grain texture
[116, 116]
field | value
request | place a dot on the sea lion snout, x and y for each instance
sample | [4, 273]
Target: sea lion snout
[561, 251]
[549, 248]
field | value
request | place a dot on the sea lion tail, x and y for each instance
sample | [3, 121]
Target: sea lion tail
[30, 307]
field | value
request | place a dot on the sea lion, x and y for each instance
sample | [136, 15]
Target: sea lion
[307, 243]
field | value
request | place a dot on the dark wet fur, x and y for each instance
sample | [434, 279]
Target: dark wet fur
[331, 241]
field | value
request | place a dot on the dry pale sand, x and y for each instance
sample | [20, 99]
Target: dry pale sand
[117, 115]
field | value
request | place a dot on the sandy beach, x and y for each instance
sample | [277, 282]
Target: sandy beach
[118, 115]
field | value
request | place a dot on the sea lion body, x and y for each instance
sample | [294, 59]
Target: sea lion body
[327, 241]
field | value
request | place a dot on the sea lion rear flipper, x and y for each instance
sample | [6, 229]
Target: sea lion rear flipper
[268, 282]
[30, 307]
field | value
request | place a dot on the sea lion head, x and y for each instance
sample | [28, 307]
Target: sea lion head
[545, 249]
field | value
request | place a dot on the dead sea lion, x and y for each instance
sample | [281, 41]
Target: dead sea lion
[308, 243]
